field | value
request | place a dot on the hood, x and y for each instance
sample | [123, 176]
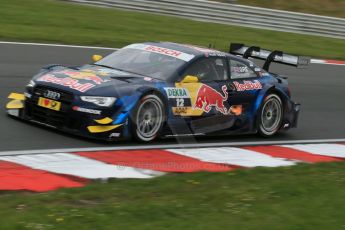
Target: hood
[88, 79]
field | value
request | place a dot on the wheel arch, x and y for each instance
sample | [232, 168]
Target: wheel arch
[151, 90]
[144, 92]
[267, 91]
[261, 97]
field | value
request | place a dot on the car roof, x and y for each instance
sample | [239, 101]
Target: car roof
[197, 51]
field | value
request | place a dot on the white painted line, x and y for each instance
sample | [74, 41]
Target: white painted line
[169, 146]
[233, 156]
[57, 45]
[332, 150]
[70, 164]
[317, 61]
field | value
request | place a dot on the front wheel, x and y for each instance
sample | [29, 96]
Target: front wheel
[149, 118]
[270, 115]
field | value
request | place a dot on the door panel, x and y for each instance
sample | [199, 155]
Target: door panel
[216, 101]
[206, 98]
[208, 94]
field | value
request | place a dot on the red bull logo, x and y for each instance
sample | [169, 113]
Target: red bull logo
[83, 76]
[67, 82]
[208, 97]
[248, 85]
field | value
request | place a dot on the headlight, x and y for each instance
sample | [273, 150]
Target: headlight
[100, 101]
[31, 84]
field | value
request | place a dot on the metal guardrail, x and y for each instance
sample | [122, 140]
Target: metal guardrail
[235, 15]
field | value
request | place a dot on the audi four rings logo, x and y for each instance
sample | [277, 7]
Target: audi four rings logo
[52, 95]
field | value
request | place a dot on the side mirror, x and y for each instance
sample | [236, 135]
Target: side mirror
[96, 57]
[190, 79]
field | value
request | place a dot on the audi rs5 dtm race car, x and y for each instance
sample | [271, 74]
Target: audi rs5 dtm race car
[158, 89]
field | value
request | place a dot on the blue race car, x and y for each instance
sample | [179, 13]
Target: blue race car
[158, 89]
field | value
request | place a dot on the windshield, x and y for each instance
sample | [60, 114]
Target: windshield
[143, 62]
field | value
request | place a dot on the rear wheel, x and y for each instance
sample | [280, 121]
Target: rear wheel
[149, 118]
[270, 115]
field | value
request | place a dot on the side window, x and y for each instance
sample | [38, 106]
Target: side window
[239, 70]
[208, 69]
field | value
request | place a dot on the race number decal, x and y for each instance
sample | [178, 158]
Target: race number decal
[179, 100]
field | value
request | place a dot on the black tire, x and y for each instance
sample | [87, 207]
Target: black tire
[148, 118]
[270, 116]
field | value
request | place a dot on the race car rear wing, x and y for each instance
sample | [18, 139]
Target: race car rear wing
[268, 56]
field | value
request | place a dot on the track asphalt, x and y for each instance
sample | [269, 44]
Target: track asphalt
[319, 88]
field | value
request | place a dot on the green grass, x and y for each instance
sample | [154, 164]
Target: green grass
[298, 197]
[61, 22]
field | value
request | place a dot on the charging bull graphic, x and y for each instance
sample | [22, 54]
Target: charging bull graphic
[208, 97]
[84, 76]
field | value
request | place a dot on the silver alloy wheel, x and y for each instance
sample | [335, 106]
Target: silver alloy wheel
[149, 118]
[271, 115]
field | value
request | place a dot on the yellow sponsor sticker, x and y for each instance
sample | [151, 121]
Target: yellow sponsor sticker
[183, 111]
[49, 104]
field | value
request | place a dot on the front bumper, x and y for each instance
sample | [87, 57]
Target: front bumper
[102, 126]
